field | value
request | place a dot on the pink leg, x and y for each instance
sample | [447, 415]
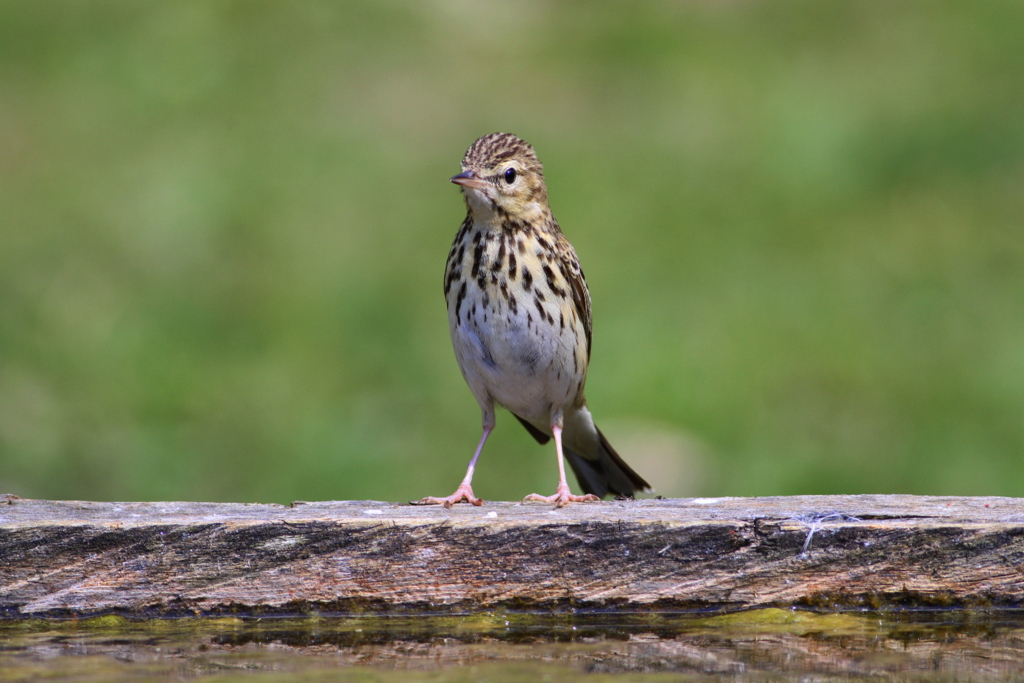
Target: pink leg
[563, 496]
[465, 490]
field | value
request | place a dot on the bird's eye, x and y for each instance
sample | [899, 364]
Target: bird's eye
[510, 176]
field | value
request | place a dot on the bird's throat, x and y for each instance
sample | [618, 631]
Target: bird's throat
[492, 215]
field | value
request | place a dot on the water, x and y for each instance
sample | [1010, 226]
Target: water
[762, 645]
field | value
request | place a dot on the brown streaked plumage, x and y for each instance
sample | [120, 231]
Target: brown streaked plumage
[519, 316]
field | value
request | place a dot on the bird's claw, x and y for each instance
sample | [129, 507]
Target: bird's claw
[463, 493]
[562, 497]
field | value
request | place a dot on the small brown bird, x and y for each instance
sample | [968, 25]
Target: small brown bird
[519, 316]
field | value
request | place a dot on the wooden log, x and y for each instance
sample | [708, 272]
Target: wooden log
[833, 552]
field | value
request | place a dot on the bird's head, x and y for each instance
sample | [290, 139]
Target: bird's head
[502, 175]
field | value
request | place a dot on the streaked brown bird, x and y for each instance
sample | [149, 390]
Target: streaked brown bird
[519, 316]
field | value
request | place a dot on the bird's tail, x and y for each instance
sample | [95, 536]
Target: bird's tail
[598, 468]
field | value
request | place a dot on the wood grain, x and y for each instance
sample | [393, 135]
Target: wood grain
[83, 558]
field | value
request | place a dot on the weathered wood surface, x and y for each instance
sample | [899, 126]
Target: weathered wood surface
[81, 558]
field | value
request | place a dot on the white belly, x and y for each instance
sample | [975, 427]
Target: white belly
[517, 359]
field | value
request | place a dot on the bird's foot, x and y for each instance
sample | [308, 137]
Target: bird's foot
[563, 496]
[463, 493]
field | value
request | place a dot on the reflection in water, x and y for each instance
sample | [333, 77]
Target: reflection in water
[760, 645]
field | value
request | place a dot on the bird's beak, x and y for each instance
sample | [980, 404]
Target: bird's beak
[469, 179]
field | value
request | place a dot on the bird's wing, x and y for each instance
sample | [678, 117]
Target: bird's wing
[573, 274]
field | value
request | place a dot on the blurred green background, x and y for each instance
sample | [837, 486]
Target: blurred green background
[223, 228]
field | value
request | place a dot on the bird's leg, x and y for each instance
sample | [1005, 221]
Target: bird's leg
[465, 490]
[563, 496]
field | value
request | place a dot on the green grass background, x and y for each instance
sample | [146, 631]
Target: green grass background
[223, 228]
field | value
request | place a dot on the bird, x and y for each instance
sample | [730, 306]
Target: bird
[520, 321]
